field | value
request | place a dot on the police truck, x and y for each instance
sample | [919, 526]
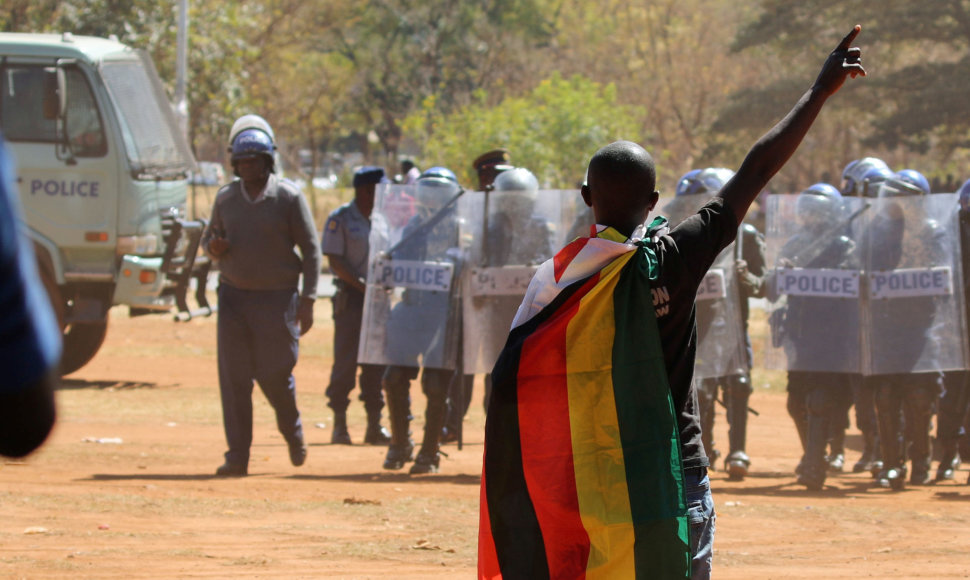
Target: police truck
[103, 171]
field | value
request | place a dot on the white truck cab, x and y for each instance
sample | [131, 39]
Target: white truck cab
[102, 170]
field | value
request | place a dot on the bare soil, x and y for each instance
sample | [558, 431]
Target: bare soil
[124, 488]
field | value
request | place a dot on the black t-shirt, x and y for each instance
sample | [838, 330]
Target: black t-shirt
[685, 255]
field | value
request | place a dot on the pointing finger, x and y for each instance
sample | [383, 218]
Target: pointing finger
[847, 41]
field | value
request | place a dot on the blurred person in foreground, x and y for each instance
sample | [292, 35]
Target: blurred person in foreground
[30, 340]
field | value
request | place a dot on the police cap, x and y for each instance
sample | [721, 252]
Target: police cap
[493, 158]
[369, 174]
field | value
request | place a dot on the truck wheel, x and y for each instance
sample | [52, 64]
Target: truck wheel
[53, 293]
[81, 343]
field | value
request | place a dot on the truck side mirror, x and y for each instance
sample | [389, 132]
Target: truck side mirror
[55, 93]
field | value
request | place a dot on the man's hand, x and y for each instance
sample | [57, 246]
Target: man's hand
[844, 61]
[304, 314]
[745, 277]
[218, 246]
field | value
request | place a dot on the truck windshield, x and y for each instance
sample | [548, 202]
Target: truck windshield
[152, 139]
[22, 110]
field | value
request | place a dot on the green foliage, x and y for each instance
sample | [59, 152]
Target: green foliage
[553, 131]
[444, 80]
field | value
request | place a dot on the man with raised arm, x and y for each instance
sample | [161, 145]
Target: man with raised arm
[593, 456]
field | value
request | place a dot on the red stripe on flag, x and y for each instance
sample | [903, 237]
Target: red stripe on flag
[488, 567]
[547, 458]
[562, 259]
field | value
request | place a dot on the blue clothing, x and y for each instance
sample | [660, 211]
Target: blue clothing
[30, 340]
[346, 234]
[701, 518]
[348, 308]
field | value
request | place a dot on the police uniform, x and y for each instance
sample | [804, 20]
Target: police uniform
[736, 387]
[258, 329]
[905, 400]
[423, 329]
[813, 396]
[346, 234]
[951, 433]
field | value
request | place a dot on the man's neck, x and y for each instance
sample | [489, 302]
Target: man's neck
[254, 189]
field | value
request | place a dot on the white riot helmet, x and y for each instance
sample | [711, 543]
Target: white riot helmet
[818, 205]
[436, 187]
[515, 192]
[250, 122]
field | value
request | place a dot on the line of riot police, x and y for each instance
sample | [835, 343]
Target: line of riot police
[867, 308]
[443, 288]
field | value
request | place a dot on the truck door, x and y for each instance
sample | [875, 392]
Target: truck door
[66, 170]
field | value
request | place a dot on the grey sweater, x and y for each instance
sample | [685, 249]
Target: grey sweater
[263, 236]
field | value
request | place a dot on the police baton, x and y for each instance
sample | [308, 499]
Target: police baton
[811, 251]
[429, 223]
[750, 410]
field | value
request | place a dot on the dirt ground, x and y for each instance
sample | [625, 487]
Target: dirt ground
[124, 488]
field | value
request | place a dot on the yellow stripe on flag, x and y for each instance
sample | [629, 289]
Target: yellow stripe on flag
[597, 450]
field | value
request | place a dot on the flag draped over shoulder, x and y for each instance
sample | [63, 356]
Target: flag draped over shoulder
[582, 474]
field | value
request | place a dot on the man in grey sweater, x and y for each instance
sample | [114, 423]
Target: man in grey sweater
[257, 222]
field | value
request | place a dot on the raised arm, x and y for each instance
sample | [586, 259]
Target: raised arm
[773, 150]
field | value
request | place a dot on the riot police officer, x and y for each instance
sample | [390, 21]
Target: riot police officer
[749, 263]
[955, 403]
[862, 178]
[804, 328]
[423, 325]
[512, 234]
[905, 394]
[488, 166]
[345, 244]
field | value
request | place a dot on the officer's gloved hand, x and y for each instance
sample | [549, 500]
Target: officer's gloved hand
[407, 297]
[748, 280]
[455, 254]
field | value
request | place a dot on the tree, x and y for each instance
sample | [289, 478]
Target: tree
[404, 52]
[671, 58]
[913, 102]
[552, 131]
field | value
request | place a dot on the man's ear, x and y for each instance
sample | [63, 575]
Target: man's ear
[584, 191]
[654, 198]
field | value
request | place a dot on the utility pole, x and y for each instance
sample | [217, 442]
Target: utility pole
[181, 57]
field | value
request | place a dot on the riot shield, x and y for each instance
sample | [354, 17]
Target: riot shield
[721, 348]
[815, 288]
[681, 207]
[411, 306]
[913, 307]
[506, 236]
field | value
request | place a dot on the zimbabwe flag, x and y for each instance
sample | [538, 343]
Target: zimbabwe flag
[582, 474]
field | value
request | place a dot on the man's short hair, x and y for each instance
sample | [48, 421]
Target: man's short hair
[623, 165]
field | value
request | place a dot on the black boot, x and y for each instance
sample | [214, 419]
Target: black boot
[401, 448]
[340, 435]
[436, 390]
[869, 453]
[376, 434]
[948, 464]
